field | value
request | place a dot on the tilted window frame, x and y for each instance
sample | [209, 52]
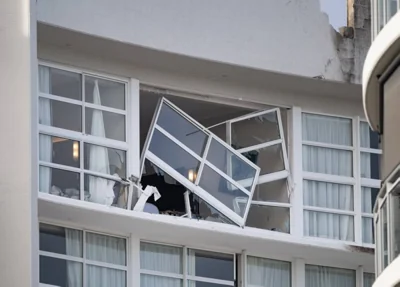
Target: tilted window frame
[194, 187]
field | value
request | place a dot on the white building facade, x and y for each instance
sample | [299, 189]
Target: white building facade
[184, 143]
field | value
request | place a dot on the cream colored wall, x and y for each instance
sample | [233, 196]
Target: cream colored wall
[19, 258]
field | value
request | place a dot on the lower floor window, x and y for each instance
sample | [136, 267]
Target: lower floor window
[321, 276]
[169, 266]
[266, 272]
[70, 257]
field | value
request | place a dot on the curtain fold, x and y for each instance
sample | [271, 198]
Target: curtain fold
[330, 161]
[321, 276]
[160, 258]
[74, 248]
[100, 189]
[106, 249]
[45, 118]
[263, 272]
[369, 279]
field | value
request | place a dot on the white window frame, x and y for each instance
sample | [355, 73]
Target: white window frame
[356, 181]
[185, 276]
[195, 187]
[366, 182]
[131, 144]
[83, 259]
[275, 176]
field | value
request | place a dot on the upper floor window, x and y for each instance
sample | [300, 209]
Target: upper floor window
[382, 11]
[70, 257]
[339, 166]
[83, 147]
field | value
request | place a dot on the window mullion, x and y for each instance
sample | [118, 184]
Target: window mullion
[185, 263]
[84, 259]
[357, 187]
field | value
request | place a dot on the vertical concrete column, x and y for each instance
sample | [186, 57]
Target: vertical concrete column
[18, 179]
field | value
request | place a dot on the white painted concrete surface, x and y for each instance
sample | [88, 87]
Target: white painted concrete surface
[288, 36]
[18, 204]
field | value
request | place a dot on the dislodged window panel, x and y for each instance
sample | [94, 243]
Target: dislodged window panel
[260, 137]
[162, 265]
[83, 146]
[201, 162]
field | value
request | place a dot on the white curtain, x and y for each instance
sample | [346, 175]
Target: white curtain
[45, 116]
[320, 276]
[191, 266]
[160, 258]
[106, 249]
[74, 248]
[329, 161]
[263, 272]
[101, 190]
[323, 224]
[369, 279]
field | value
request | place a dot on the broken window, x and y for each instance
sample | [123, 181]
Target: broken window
[208, 168]
[260, 137]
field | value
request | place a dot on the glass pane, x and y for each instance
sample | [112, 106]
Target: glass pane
[326, 129]
[328, 225]
[231, 164]
[151, 280]
[370, 165]
[60, 115]
[205, 284]
[106, 124]
[104, 191]
[368, 138]
[173, 155]
[391, 9]
[254, 131]
[369, 279]
[223, 190]
[275, 191]
[368, 230]
[328, 161]
[162, 258]
[269, 218]
[267, 272]
[105, 248]
[329, 276]
[395, 222]
[60, 83]
[381, 13]
[59, 150]
[105, 160]
[109, 93]
[269, 159]
[60, 272]
[210, 265]
[328, 195]
[61, 240]
[368, 198]
[203, 211]
[59, 182]
[183, 130]
[102, 276]
[385, 251]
